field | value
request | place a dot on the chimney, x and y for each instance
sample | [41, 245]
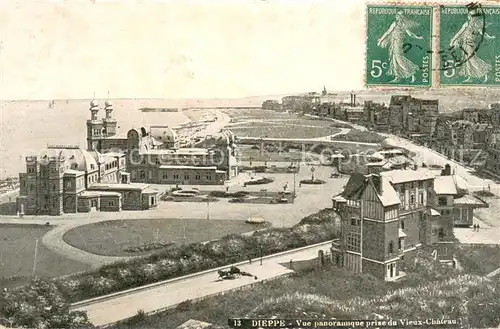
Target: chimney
[353, 99]
[446, 171]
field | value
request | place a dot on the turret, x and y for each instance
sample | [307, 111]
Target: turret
[109, 128]
[94, 127]
[108, 106]
[94, 110]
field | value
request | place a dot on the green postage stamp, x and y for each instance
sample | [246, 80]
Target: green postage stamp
[469, 42]
[399, 45]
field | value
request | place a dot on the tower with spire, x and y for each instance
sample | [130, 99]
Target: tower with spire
[109, 123]
[94, 127]
[324, 93]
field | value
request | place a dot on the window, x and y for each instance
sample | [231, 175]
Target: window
[354, 242]
[412, 200]
[353, 221]
[421, 197]
[165, 175]
[401, 244]
[391, 247]
[69, 184]
[402, 224]
[209, 177]
[186, 177]
[403, 188]
[142, 174]
[441, 233]
[197, 177]
[176, 176]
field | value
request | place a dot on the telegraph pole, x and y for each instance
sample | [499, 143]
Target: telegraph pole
[34, 260]
[361, 238]
[294, 183]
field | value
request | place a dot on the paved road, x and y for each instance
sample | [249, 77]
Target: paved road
[310, 199]
[171, 294]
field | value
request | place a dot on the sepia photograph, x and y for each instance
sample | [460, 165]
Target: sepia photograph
[249, 164]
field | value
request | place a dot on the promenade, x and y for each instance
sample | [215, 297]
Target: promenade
[160, 297]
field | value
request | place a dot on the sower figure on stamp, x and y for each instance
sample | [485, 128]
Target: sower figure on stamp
[466, 41]
[400, 67]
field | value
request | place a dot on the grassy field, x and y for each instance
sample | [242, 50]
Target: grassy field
[267, 130]
[17, 252]
[356, 135]
[238, 114]
[111, 238]
[478, 259]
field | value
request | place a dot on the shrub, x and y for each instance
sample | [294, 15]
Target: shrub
[356, 135]
[42, 305]
[313, 182]
[176, 260]
[263, 180]
[139, 318]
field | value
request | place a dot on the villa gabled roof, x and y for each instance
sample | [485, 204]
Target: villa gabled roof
[407, 175]
[470, 200]
[445, 185]
[384, 190]
[354, 185]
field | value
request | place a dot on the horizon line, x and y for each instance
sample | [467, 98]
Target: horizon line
[331, 92]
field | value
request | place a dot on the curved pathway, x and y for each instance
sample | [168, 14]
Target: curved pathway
[310, 200]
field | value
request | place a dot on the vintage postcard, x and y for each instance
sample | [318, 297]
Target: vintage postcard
[249, 164]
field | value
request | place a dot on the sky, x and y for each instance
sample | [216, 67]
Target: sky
[178, 49]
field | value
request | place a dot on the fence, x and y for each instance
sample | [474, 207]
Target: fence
[192, 275]
[478, 245]
[311, 263]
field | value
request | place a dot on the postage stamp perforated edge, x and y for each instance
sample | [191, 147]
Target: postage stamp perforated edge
[495, 64]
[435, 82]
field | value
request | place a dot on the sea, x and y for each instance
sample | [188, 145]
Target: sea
[27, 127]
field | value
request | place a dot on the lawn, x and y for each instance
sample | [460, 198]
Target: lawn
[478, 259]
[356, 135]
[17, 252]
[111, 238]
[248, 114]
[280, 130]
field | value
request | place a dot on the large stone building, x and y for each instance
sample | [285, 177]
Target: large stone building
[112, 174]
[385, 217]
[411, 115]
[153, 155]
[67, 179]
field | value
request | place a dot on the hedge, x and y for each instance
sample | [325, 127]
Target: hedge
[178, 260]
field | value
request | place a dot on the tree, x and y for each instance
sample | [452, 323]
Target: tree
[41, 305]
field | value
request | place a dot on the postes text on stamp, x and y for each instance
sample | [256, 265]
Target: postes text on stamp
[469, 41]
[398, 46]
